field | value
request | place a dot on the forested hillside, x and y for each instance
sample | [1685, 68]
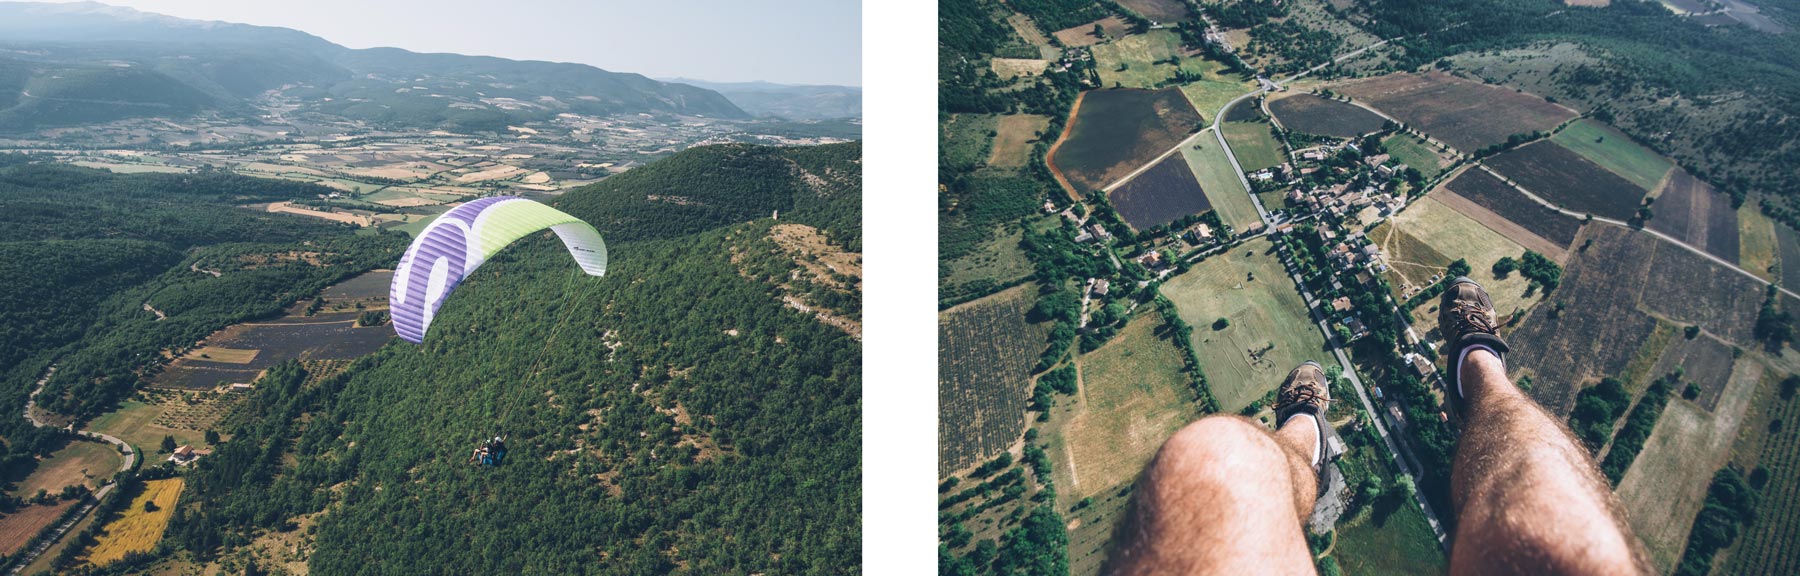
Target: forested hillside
[672, 415]
[83, 251]
[709, 186]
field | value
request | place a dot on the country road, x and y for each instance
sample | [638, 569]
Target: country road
[63, 529]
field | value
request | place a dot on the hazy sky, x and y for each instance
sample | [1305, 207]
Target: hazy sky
[789, 41]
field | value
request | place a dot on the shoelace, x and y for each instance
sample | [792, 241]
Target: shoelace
[1476, 318]
[1298, 393]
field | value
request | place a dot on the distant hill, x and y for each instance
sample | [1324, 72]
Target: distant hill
[63, 64]
[711, 186]
[793, 102]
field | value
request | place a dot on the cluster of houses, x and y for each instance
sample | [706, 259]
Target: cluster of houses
[1341, 201]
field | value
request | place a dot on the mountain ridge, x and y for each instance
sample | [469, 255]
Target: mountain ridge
[235, 63]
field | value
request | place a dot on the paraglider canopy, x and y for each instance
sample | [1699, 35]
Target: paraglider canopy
[460, 240]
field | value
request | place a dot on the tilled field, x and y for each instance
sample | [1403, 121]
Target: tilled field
[1465, 114]
[1117, 131]
[1323, 116]
[1160, 195]
[1605, 294]
[1600, 327]
[1692, 211]
[1566, 179]
[1704, 361]
[1495, 195]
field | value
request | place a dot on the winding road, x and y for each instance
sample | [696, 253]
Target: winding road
[68, 523]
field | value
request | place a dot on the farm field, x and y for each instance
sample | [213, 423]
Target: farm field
[1412, 151]
[1158, 10]
[1143, 60]
[964, 140]
[1310, 114]
[986, 350]
[1220, 182]
[1116, 131]
[1705, 361]
[1757, 250]
[1666, 485]
[1083, 34]
[135, 422]
[1465, 114]
[1160, 195]
[81, 462]
[1215, 90]
[1494, 195]
[19, 527]
[1421, 242]
[1014, 135]
[1769, 545]
[1614, 151]
[1697, 214]
[137, 530]
[1393, 537]
[1029, 32]
[1133, 396]
[1270, 331]
[1253, 145]
[998, 259]
[1569, 181]
[1787, 243]
[322, 336]
[1600, 327]
[1605, 293]
[1010, 68]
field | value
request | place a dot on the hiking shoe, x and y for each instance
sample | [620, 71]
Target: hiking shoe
[1466, 318]
[1306, 392]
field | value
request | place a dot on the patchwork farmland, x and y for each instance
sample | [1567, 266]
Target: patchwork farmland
[1666, 485]
[1160, 195]
[1113, 132]
[1465, 114]
[1310, 114]
[1607, 295]
[1494, 195]
[986, 350]
[1566, 179]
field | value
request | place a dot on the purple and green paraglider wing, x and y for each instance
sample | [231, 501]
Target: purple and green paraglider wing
[455, 244]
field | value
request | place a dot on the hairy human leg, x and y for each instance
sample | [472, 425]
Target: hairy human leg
[1529, 498]
[1222, 496]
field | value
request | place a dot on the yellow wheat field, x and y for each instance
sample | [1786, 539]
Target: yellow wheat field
[137, 530]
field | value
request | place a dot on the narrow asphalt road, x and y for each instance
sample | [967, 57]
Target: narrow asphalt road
[63, 529]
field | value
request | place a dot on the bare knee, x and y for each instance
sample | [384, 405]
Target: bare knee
[1222, 449]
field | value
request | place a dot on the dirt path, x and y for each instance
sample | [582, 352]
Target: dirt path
[1050, 155]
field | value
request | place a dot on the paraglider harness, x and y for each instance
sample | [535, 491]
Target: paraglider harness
[490, 453]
